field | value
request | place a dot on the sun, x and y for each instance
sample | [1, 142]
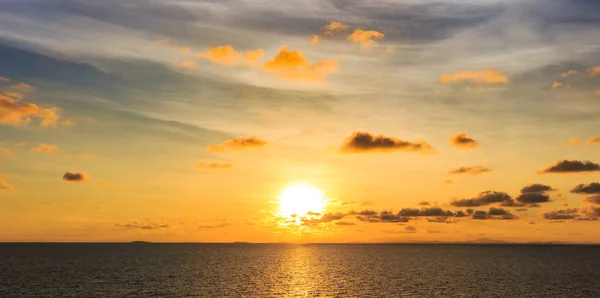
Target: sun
[300, 199]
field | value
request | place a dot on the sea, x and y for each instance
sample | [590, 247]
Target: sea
[287, 270]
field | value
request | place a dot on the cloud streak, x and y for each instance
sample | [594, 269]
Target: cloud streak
[237, 144]
[364, 142]
[470, 170]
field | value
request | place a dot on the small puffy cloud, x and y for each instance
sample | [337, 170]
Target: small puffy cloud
[14, 112]
[482, 199]
[533, 198]
[469, 170]
[556, 85]
[228, 56]
[593, 199]
[565, 214]
[536, 188]
[75, 177]
[334, 28]
[362, 142]
[22, 86]
[187, 64]
[365, 38]
[314, 40]
[237, 144]
[571, 166]
[292, 65]
[480, 77]
[424, 203]
[593, 71]
[214, 165]
[6, 152]
[463, 141]
[593, 140]
[592, 188]
[44, 148]
[569, 73]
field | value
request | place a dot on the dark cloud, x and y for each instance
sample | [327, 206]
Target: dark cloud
[143, 226]
[482, 199]
[572, 166]
[565, 214]
[463, 141]
[494, 213]
[533, 198]
[361, 142]
[423, 203]
[410, 229]
[536, 188]
[313, 220]
[592, 188]
[75, 177]
[470, 170]
[404, 215]
[591, 212]
[593, 199]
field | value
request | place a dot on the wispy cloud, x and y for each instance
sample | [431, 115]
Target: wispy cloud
[237, 144]
[228, 56]
[44, 148]
[292, 65]
[470, 170]
[481, 77]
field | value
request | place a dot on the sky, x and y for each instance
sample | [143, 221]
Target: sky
[300, 121]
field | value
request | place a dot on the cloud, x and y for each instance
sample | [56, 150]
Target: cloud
[6, 152]
[237, 144]
[5, 185]
[593, 71]
[4, 79]
[593, 140]
[44, 148]
[493, 213]
[365, 38]
[405, 215]
[482, 199]
[292, 65]
[362, 142]
[593, 199]
[575, 141]
[410, 229]
[571, 166]
[214, 165]
[75, 177]
[143, 225]
[470, 170]
[569, 73]
[556, 85]
[591, 212]
[423, 203]
[592, 188]
[536, 188]
[314, 40]
[209, 227]
[463, 141]
[334, 28]
[314, 220]
[565, 214]
[187, 64]
[533, 198]
[228, 56]
[14, 112]
[480, 77]
[344, 223]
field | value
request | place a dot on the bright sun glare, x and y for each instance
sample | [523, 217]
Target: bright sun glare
[299, 199]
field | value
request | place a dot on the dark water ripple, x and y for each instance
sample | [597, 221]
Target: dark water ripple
[241, 270]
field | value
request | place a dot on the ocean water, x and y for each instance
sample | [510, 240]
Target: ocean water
[263, 270]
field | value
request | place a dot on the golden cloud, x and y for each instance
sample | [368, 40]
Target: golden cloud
[13, 112]
[575, 141]
[463, 141]
[556, 85]
[593, 140]
[489, 77]
[228, 56]
[569, 73]
[237, 144]
[6, 152]
[365, 38]
[470, 170]
[333, 28]
[214, 165]
[292, 65]
[186, 64]
[593, 71]
[314, 40]
[44, 148]
[5, 185]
